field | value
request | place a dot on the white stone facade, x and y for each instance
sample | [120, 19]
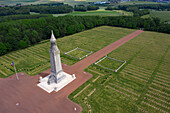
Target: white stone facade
[57, 79]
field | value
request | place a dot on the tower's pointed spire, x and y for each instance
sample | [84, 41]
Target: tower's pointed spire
[53, 39]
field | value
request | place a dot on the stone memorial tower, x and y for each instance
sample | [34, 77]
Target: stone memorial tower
[57, 79]
[56, 68]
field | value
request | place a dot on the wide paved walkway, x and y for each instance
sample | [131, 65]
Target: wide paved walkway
[32, 99]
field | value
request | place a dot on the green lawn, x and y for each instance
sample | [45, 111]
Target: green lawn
[78, 53]
[110, 63]
[140, 86]
[36, 59]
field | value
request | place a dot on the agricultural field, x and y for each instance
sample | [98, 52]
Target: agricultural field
[84, 0]
[36, 59]
[142, 85]
[99, 12]
[70, 2]
[13, 2]
[137, 2]
[95, 13]
[164, 16]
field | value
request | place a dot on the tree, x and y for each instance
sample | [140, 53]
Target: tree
[89, 24]
[56, 33]
[22, 33]
[13, 42]
[34, 37]
[71, 29]
[62, 31]
[26, 39]
[48, 31]
[2, 49]
[14, 32]
[23, 44]
[8, 46]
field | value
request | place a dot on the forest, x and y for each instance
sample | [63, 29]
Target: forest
[86, 8]
[20, 34]
[18, 17]
[42, 9]
[161, 7]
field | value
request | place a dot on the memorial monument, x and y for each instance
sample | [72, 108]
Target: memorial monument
[58, 78]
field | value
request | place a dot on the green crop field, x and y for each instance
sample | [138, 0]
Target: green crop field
[84, 0]
[137, 2]
[100, 12]
[142, 85]
[95, 13]
[18, 0]
[36, 59]
[164, 16]
[70, 2]
[13, 2]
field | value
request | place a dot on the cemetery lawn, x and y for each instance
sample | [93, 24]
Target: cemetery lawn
[36, 59]
[110, 63]
[78, 53]
[142, 85]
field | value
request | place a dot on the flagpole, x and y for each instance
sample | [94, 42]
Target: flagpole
[16, 73]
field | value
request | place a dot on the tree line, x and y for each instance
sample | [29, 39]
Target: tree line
[42, 9]
[20, 34]
[18, 17]
[58, 8]
[161, 7]
[140, 9]
[135, 10]
[85, 8]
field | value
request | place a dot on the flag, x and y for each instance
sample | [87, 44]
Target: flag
[12, 64]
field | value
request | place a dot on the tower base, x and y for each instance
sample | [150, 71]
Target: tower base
[55, 86]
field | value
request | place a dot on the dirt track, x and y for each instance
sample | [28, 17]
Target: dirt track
[32, 99]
